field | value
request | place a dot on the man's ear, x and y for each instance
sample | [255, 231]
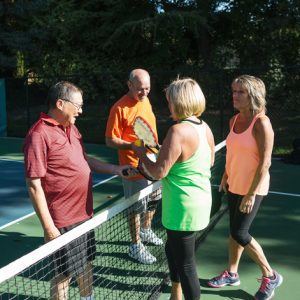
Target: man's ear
[129, 84]
[59, 104]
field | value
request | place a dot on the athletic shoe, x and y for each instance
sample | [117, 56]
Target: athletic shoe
[268, 286]
[139, 252]
[148, 236]
[224, 279]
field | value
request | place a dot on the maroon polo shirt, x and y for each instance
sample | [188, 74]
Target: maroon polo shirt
[57, 157]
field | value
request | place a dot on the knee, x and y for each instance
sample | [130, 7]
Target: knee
[242, 238]
[152, 205]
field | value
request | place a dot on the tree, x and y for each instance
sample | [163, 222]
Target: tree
[15, 34]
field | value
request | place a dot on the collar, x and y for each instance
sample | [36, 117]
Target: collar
[48, 119]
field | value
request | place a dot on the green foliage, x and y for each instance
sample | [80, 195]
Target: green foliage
[16, 34]
[97, 42]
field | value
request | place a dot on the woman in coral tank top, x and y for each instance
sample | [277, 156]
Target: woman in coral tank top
[246, 181]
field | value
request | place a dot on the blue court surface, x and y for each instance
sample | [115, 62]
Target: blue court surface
[14, 200]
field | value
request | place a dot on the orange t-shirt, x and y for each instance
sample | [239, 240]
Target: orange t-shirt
[120, 125]
[242, 160]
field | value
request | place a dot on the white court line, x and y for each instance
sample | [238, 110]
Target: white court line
[272, 192]
[285, 194]
[11, 160]
[33, 213]
[17, 220]
[105, 180]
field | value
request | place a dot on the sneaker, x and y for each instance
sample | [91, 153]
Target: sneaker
[139, 252]
[224, 279]
[148, 236]
[268, 286]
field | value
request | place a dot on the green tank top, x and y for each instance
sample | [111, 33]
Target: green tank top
[186, 190]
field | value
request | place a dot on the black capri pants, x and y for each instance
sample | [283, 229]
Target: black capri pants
[180, 252]
[240, 223]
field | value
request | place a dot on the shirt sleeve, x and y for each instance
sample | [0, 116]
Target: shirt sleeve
[35, 155]
[114, 127]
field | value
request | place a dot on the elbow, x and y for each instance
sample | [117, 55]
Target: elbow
[160, 174]
[109, 142]
[266, 165]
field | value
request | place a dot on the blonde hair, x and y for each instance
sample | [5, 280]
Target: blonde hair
[256, 90]
[187, 98]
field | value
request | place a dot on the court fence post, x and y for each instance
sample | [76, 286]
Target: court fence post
[3, 121]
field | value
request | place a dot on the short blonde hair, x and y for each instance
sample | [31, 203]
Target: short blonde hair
[187, 98]
[256, 90]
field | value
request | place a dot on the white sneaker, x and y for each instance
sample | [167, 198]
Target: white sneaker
[139, 252]
[148, 236]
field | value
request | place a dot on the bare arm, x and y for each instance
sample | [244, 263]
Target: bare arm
[211, 142]
[264, 136]
[39, 202]
[118, 143]
[99, 166]
[223, 187]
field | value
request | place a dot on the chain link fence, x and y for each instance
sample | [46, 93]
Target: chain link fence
[26, 99]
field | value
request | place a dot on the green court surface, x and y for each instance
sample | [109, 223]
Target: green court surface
[276, 227]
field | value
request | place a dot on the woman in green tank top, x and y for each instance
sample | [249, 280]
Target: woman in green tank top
[183, 165]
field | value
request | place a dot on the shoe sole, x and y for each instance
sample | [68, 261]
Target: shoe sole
[149, 242]
[225, 284]
[142, 262]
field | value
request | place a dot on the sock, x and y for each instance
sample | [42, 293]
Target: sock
[273, 277]
[232, 274]
[90, 297]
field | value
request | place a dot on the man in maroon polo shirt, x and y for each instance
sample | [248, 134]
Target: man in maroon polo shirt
[58, 177]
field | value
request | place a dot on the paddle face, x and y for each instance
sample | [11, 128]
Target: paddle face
[143, 170]
[144, 132]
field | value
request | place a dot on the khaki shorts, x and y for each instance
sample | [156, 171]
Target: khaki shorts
[132, 187]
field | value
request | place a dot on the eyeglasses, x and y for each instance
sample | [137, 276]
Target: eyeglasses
[77, 106]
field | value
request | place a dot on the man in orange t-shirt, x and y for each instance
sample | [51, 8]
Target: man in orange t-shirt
[120, 135]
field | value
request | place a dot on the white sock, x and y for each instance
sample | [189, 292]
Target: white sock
[90, 297]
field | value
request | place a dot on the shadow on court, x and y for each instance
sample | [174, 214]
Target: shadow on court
[15, 244]
[7, 296]
[222, 293]
[228, 294]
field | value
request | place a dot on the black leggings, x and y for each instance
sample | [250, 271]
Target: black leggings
[240, 222]
[180, 251]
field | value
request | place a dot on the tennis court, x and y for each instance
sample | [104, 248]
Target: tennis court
[276, 227]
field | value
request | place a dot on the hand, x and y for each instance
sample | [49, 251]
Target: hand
[51, 234]
[128, 171]
[247, 204]
[223, 187]
[138, 143]
[139, 149]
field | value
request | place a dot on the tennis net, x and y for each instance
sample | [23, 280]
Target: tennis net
[115, 275]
